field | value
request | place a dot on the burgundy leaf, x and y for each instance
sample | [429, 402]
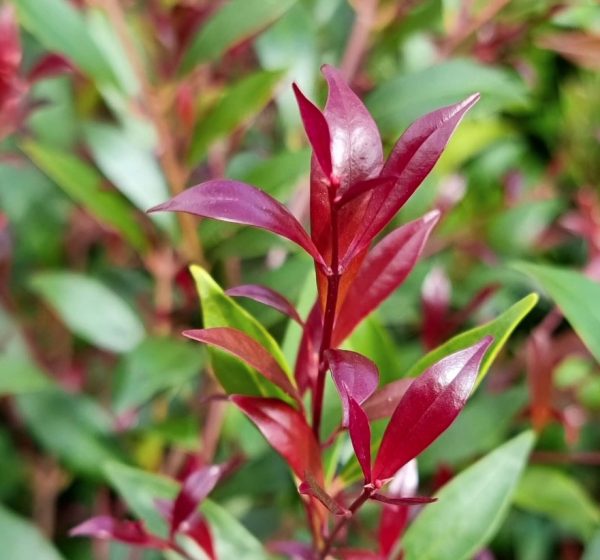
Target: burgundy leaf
[360, 435]
[317, 130]
[357, 189]
[429, 406]
[353, 373]
[193, 490]
[267, 296]
[411, 160]
[50, 66]
[233, 201]
[286, 430]
[406, 501]
[435, 298]
[200, 533]
[307, 361]
[383, 402]
[384, 269]
[247, 349]
[129, 532]
[311, 487]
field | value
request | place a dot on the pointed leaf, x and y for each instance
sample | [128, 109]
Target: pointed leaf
[49, 66]
[383, 402]
[311, 487]
[354, 376]
[129, 532]
[10, 44]
[286, 430]
[269, 297]
[429, 406]
[411, 160]
[201, 535]
[245, 348]
[470, 507]
[361, 187]
[233, 201]
[360, 435]
[317, 130]
[382, 271]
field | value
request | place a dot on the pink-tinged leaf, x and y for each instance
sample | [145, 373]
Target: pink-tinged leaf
[354, 375]
[382, 271]
[406, 501]
[429, 406]
[307, 361]
[200, 533]
[247, 349]
[268, 297]
[310, 487]
[286, 430]
[435, 299]
[360, 435]
[193, 490]
[383, 402]
[293, 549]
[10, 43]
[411, 160]
[233, 201]
[317, 130]
[50, 66]
[129, 532]
[357, 554]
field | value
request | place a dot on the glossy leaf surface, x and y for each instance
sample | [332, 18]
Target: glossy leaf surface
[129, 532]
[360, 435]
[428, 407]
[267, 296]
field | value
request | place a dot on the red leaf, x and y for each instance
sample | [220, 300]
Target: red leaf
[360, 434]
[383, 402]
[310, 487]
[435, 297]
[429, 406]
[362, 187]
[10, 44]
[200, 534]
[293, 549]
[194, 489]
[286, 430]
[402, 501]
[307, 361]
[356, 554]
[411, 160]
[384, 269]
[317, 130]
[354, 375]
[50, 66]
[129, 532]
[267, 296]
[247, 349]
[233, 201]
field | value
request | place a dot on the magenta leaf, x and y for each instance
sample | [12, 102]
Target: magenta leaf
[233, 201]
[317, 130]
[50, 66]
[383, 270]
[286, 430]
[307, 361]
[354, 376]
[310, 487]
[360, 435]
[194, 489]
[267, 296]
[247, 349]
[411, 160]
[429, 406]
[200, 533]
[402, 501]
[358, 554]
[357, 189]
[293, 549]
[10, 44]
[383, 402]
[109, 528]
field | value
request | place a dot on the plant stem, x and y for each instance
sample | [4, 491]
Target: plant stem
[342, 521]
[333, 284]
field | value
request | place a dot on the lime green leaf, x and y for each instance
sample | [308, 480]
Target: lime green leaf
[470, 508]
[83, 183]
[233, 23]
[90, 310]
[219, 310]
[577, 297]
[22, 540]
[238, 104]
[19, 377]
[155, 365]
[72, 427]
[500, 328]
[61, 27]
[551, 492]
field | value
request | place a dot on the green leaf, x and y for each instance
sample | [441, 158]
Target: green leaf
[577, 296]
[61, 27]
[554, 494]
[219, 310]
[155, 365]
[72, 427]
[233, 23]
[592, 550]
[238, 104]
[19, 376]
[500, 328]
[401, 100]
[470, 508]
[22, 540]
[90, 310]
[83, 183]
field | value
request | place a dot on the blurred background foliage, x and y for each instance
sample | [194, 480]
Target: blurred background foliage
[99, 390]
